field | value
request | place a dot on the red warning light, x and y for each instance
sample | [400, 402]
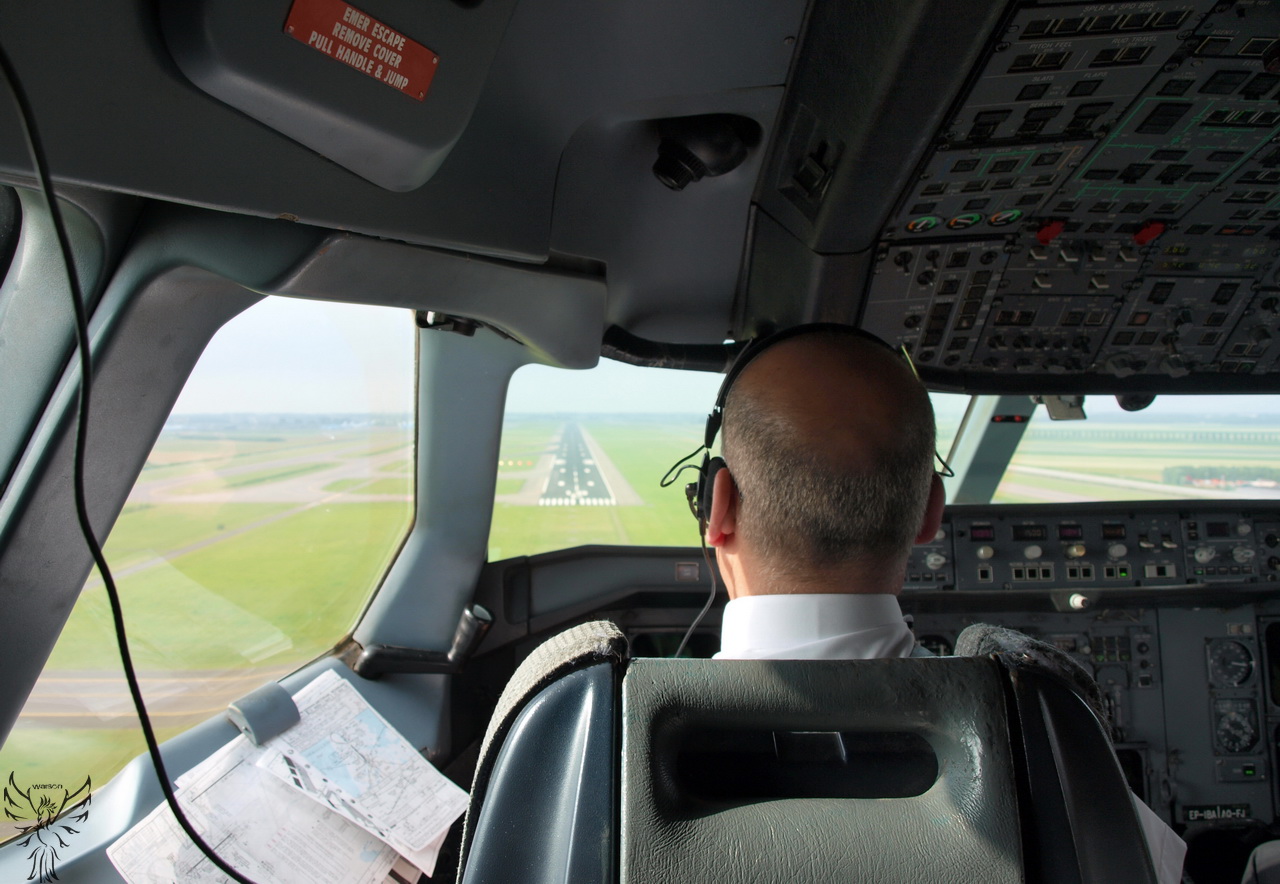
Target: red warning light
[1148, 232]
[1049, 232]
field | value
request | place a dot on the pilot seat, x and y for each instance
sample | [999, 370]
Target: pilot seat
[599, 768]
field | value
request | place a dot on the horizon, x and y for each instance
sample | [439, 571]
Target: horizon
[288, 356]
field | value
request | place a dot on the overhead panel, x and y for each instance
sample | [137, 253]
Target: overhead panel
[1104, 199]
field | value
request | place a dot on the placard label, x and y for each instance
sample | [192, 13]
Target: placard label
[1208, 813]
[359, 40]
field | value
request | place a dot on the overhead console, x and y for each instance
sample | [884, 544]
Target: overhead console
[1100, 198]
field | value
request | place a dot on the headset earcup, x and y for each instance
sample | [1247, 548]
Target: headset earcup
[707, 486]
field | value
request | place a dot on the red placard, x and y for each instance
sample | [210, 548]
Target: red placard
[354, 38]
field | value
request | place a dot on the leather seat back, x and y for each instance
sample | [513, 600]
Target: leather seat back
[963, 828]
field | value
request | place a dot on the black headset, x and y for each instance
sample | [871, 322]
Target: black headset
[699, 492]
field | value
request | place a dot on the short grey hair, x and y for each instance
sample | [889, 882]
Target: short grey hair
[805, 514]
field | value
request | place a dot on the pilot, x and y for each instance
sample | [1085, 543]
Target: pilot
[826, 482]
[829, 439]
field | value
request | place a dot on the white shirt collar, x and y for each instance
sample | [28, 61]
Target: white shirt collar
[831, 626]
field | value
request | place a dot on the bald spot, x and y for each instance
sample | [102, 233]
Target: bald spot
[844, 399]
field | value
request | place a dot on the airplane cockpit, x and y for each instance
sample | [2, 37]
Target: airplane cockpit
[361, 335]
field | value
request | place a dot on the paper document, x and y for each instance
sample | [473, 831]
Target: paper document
[346, 756]
[333, 799]
[259, 826]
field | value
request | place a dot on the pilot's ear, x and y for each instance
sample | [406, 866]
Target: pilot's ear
[933, 511]
[722, 522]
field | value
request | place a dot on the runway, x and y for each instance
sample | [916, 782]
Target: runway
[572, 470]
[575, 478]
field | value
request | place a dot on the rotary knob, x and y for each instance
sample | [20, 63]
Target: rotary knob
[1074, 550]
[1033, 551]
[985, 552]
[934, 560]
[1205, 554]
[1117, 550]
[1243, 554]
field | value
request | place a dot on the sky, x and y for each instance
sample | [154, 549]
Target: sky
[286, 355]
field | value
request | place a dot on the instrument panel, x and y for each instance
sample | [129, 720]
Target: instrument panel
[1170, 606]
[1173, 606]
[1192, 716]
[1096, 549]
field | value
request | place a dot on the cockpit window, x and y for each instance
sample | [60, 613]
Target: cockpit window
[1178, 448]
[948, 412]
[583, 451]
[270, 506]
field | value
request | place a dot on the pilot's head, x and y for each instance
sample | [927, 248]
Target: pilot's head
[828, 440]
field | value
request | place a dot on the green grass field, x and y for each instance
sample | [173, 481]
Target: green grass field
[509, 486]
[344, 485]
[257, 477]
[402, 485]
[241, 602]
[144, 531]
[1108, 452]
[67, 755]
[180, 454]
[216, 586]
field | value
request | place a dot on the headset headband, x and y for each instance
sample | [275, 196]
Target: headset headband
[758, 346]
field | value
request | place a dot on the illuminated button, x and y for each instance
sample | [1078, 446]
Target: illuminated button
[923, 223]
[1033, 551]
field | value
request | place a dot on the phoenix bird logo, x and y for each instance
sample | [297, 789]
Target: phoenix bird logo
[41, 806]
